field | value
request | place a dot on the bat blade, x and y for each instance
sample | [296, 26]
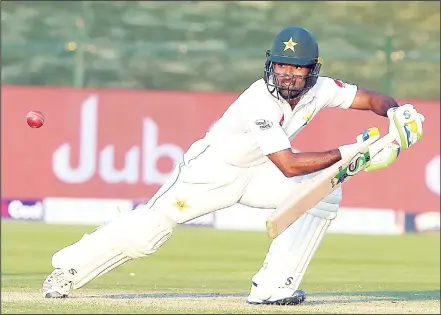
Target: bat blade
[317, 188]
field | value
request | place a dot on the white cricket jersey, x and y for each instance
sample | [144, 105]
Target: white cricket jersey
[258, 124]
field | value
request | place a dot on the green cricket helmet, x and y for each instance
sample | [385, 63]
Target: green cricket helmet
[293, 46]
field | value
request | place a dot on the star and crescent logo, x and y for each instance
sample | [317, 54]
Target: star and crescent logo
[181, 204]
[290, 45]
[307, 116]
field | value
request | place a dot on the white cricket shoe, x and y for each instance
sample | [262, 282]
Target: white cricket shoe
[283, 296]
[56, 286]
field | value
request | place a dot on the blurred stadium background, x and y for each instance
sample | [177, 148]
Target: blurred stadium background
[144, 79]
[216, 46]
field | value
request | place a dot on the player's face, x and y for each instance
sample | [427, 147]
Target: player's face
[290, 77]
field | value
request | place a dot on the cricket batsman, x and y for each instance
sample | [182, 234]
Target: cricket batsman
[246, 157]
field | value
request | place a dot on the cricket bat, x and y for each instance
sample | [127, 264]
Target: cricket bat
[318, 187]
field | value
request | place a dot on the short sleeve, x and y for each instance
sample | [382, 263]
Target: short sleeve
[339, 93]
[263, 122]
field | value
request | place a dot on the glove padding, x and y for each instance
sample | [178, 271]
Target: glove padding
[406, 124]
[382, 159]
[368, 136]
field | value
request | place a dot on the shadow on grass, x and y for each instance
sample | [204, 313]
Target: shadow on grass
[313, 298]
[168, 295]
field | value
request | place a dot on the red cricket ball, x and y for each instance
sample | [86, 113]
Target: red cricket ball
[35, 119]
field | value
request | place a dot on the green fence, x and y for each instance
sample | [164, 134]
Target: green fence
[388, 46]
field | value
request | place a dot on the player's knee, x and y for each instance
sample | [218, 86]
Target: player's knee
[135, 234]
[142, 232]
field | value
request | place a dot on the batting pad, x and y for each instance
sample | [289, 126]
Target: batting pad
[288, 258]
[133, 234]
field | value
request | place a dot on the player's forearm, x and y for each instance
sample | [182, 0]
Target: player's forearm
[309, 162]
[296, 164]
[380, 103]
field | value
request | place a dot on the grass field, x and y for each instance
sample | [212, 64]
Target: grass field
[208, 271]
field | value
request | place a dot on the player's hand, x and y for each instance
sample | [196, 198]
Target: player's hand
[406, 124]
[384, 158]
[368, 136]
